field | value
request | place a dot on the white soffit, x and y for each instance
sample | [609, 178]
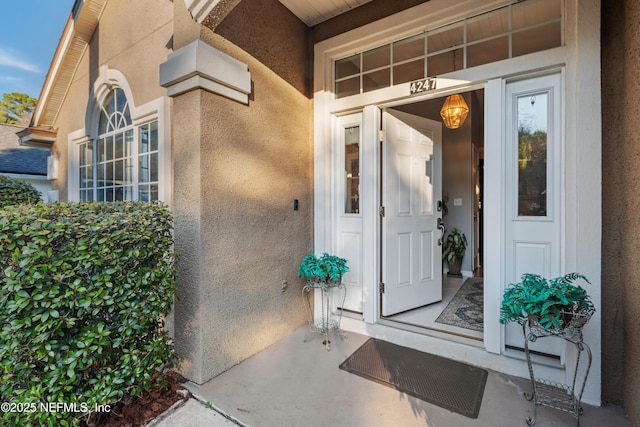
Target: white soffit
[312, 12]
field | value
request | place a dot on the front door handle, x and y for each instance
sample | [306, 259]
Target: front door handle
[441, 227]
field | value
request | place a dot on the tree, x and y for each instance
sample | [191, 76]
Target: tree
[16, 108]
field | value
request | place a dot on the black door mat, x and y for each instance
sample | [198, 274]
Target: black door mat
[447, 383]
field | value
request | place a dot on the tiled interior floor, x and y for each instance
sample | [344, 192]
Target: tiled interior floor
[426, 316]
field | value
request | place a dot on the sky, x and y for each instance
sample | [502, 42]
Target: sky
[29, 33]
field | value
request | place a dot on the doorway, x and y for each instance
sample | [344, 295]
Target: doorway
[457, 305]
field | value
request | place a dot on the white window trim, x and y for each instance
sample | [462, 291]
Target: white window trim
[155, 110]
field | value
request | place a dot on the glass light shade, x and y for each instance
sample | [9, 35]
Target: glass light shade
[454, 111]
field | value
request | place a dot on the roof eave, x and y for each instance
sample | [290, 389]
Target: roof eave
[74, 40]
[36, 137]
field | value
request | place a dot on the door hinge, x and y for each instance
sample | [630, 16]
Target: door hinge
[381, 211]
[380, 136]
[382, 287]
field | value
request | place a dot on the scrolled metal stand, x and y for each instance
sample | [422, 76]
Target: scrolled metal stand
[327, 322]
[549, 393]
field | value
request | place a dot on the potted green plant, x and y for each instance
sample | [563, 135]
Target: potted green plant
[453, 250]
[326, 269]
[554, 304]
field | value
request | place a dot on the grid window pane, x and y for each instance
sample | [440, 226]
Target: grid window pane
[153, 192]
[446, 37]
[487, 51]
[101, 150]
[348, 66]
[119, 172]
[348, 87]
[144, 139]
[153, 135]
[86, 154]
[376, 80]
[536, 39]
[488, 25]
[128, 192]
[408, 72]
[128, 170]
[352, 169]
[143, 193]
[513, 30]
[108, 176]
[445, 62]
[143, 169]
[83, 177]
[532, 12]
[101, 175]
[86, 195]
[89, 182]
[376, 58]
[153, 167]
[102, 125]
[128, 143]
[119, 146]
[533, 154]
[109, 148]
[406, 49]
[110, 103]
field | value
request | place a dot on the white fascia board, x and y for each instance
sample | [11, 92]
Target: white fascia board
[200, 66]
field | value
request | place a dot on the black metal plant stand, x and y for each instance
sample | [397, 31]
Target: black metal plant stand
[330, 320]
[564, 397]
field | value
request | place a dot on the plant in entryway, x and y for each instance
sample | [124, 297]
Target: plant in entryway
[327, 268]
[553, 303]
[455, 244]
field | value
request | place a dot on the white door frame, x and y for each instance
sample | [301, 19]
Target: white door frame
[580, 57]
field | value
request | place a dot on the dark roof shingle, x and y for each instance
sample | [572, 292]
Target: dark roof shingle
[16, 159]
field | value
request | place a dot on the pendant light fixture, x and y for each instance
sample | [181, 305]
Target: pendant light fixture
[454, 111]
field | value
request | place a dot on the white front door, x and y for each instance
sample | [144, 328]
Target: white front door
[411, 189]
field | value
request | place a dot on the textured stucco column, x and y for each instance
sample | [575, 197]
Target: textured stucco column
[256, 160]
[188, 317]
[242, 150]
[621, 204]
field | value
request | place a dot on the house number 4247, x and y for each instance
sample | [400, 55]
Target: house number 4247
[422, 85]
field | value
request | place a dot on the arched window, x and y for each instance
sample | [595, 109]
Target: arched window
[122, 162]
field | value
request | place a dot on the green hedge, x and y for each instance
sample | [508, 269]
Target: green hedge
[16, 192]
[85, 288]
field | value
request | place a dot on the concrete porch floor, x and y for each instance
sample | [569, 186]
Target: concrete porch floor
[293, 383]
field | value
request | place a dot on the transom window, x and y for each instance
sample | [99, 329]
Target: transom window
[122, 163]
[518, 29]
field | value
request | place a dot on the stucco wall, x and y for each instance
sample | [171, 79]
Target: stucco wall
[621, 204]
[275, 37]
[368, 12]
[122, 43]
[238, 169]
